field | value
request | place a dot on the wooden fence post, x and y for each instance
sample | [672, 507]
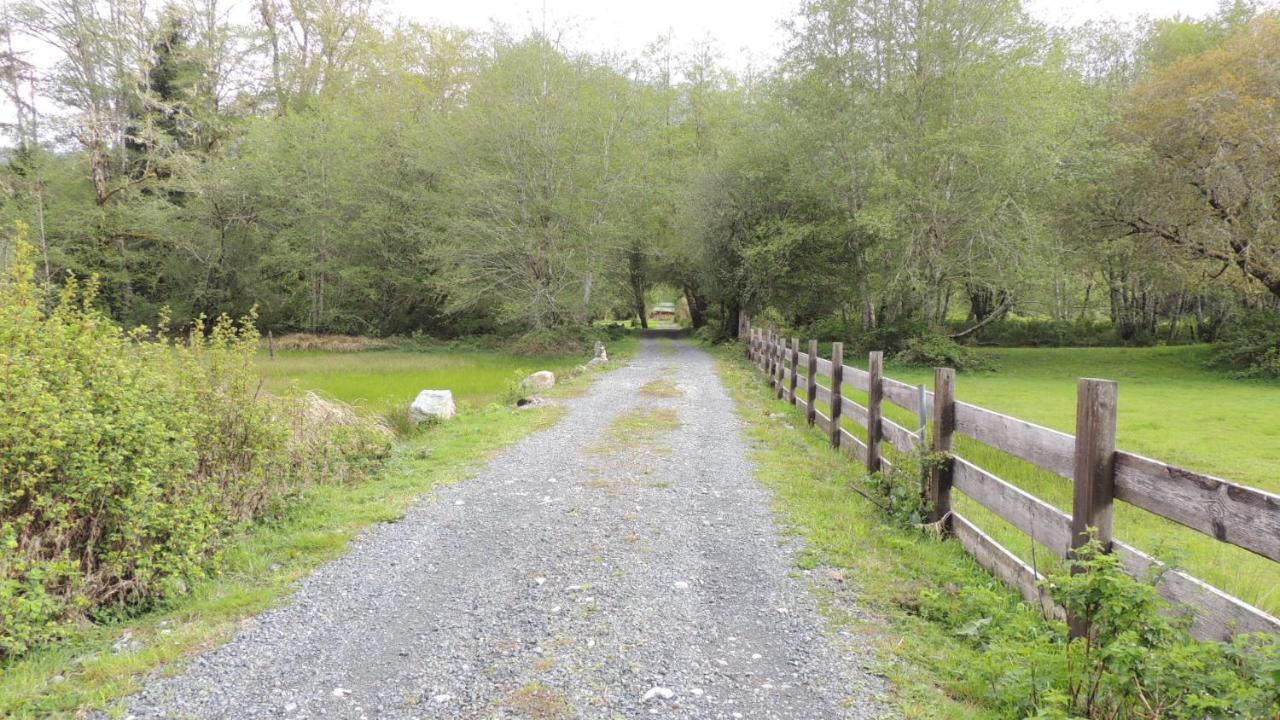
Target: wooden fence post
[782, 368]
[271, 344]
[837, 390]
[875, 393]
[1095, 461]
[768, 355]
[795, 368]
[811, 388]
[1095, 466]
[748, 332]
[938, 493]
[773, 361]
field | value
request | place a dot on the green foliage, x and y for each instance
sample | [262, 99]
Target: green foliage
[898, 491]
[1043, 332]
[562, 340]
[1250, 346]
[935, 349]
[514, 391]
[127, 458]
[262, 566]
[1134, 662]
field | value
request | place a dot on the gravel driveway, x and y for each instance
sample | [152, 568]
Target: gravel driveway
[586, 572]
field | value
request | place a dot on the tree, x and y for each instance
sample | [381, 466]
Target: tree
[541, 168]
[1208, 130]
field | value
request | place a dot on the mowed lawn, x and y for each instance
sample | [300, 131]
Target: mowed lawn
[381, 381]
[1171, 408]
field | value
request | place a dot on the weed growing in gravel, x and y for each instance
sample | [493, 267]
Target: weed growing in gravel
[536, 701]
[635, 428]
[661, 389]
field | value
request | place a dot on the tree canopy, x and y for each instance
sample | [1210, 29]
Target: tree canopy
[904, 165]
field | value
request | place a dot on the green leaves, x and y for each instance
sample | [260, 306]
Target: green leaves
[127, 459]
[1134, 663]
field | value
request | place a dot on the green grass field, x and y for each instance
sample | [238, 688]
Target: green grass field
[379, 381]
[1171, 408]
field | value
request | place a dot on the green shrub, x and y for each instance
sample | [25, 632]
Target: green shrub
[1043, 332]
[1134, 661]
[562, 340]
[934, 349]
[828, 329]
[1250, 346]
[126, 459]
[514, 391]
[615, 330]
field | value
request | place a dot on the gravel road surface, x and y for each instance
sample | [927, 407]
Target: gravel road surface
[585, 572]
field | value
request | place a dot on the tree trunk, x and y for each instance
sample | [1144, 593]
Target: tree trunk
[697, 314]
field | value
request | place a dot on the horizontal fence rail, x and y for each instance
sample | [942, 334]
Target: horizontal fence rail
[1246, 517]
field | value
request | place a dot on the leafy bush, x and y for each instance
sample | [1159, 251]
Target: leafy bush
[1250, 346]
[712, 335]
[1044, 332]
[828, 329]
[330, 343]
[615, 330]
[934, 349]
[1134, 662]
[515, 391]
[561, 340]
[127, 459]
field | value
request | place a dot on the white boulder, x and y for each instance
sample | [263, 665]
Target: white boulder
[541, 380]
[432, 405]
[600, 352]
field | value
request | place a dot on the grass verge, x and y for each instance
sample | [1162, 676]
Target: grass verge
[855, 549]
[958, 643]
[101, 664]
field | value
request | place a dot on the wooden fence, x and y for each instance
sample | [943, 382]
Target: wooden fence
[1101, 473]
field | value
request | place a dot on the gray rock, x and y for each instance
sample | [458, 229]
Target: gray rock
[126, 644]
[600, 352]
[541, 380]
[432, 405]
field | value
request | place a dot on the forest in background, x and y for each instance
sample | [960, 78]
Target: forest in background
[909, 173]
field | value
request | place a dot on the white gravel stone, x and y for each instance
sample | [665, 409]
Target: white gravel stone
[658, 693]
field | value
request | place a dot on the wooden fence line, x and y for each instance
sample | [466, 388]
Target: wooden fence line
[1101, 474]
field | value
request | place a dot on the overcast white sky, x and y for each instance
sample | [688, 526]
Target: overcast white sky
[745, 31]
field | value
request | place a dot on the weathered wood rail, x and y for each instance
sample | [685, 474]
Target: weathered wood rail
[1246, 517]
